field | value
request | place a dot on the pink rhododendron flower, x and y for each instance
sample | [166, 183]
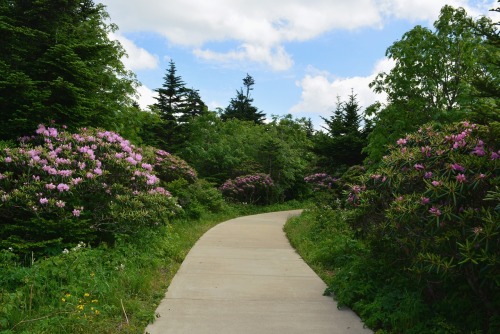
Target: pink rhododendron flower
[62, 187]
[8, 159]
[131, 161]
[65, 173]
[435, 211]
[436, 183]
[419, 166]
[152, 179]
[428, 175]
[147, 167]
[461, 178]
[60, 204]
[44, 200]
[77, 180]
[495, 155]
[425, 200]
[50, 186]
[76, 212]
[401, 141]
[457, 167]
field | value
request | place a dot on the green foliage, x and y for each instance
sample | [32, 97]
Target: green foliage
[342, 144]
[102, 289]
[59, 188]
[241, 107]
[57, 63]
[176, 105]
[220, 150]
[433, 77]
[431, 207]
[197, 198]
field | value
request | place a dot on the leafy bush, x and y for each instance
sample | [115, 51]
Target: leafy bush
[197, 198]
[433, 208]
[169, 167]
[252, 189]
[59, 188]
[320, 181]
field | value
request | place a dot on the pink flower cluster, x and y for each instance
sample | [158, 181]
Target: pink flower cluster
[63, 166]
[320, 181]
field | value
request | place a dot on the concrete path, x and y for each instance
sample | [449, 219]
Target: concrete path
[243, 277]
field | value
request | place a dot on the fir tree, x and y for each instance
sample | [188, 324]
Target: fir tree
[241, 106]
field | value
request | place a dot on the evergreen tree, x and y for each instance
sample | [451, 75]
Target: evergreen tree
[342, 144]
[58, 64]
[241, 106]
[171, 95]
[192, 107]
[176, 105]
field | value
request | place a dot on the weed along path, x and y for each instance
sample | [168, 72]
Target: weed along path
[243, 277]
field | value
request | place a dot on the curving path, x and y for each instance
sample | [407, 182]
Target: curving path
[242, 277]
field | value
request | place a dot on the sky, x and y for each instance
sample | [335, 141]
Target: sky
[302, 54]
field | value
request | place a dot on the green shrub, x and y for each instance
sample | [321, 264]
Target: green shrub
[198, 197]
[432, 208]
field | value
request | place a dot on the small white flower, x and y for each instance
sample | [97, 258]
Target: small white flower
[65, 251]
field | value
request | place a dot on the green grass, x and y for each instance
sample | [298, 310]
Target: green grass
[104, 289]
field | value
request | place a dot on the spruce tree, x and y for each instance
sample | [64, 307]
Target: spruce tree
[342, 144]
[241, 106]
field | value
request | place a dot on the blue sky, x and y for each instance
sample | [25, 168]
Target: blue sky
[302, 54]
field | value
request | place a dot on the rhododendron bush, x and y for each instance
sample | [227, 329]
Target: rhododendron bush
[433, 206]
[320, 181]
[59, 188]
[250, 189]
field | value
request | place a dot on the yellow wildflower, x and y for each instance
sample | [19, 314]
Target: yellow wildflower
[86, 294]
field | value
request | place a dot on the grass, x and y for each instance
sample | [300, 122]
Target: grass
[105, 289]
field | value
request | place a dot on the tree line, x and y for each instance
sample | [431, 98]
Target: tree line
[57, 64]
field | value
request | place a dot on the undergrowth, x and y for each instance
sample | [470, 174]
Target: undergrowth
[388, 301]
[105, 289]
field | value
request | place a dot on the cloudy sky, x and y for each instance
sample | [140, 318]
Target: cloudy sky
[302, 54]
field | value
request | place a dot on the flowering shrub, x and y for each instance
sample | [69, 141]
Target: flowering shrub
[254, 188]
[59, 188]
[434, 205]
[320, 181]
[169, 167]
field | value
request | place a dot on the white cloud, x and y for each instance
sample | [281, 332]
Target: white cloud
[277, 58]
[146, 97]
[138, 58]
[262, 27]
[319, 92]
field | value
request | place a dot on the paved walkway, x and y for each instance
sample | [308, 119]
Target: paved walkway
[243, 277]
